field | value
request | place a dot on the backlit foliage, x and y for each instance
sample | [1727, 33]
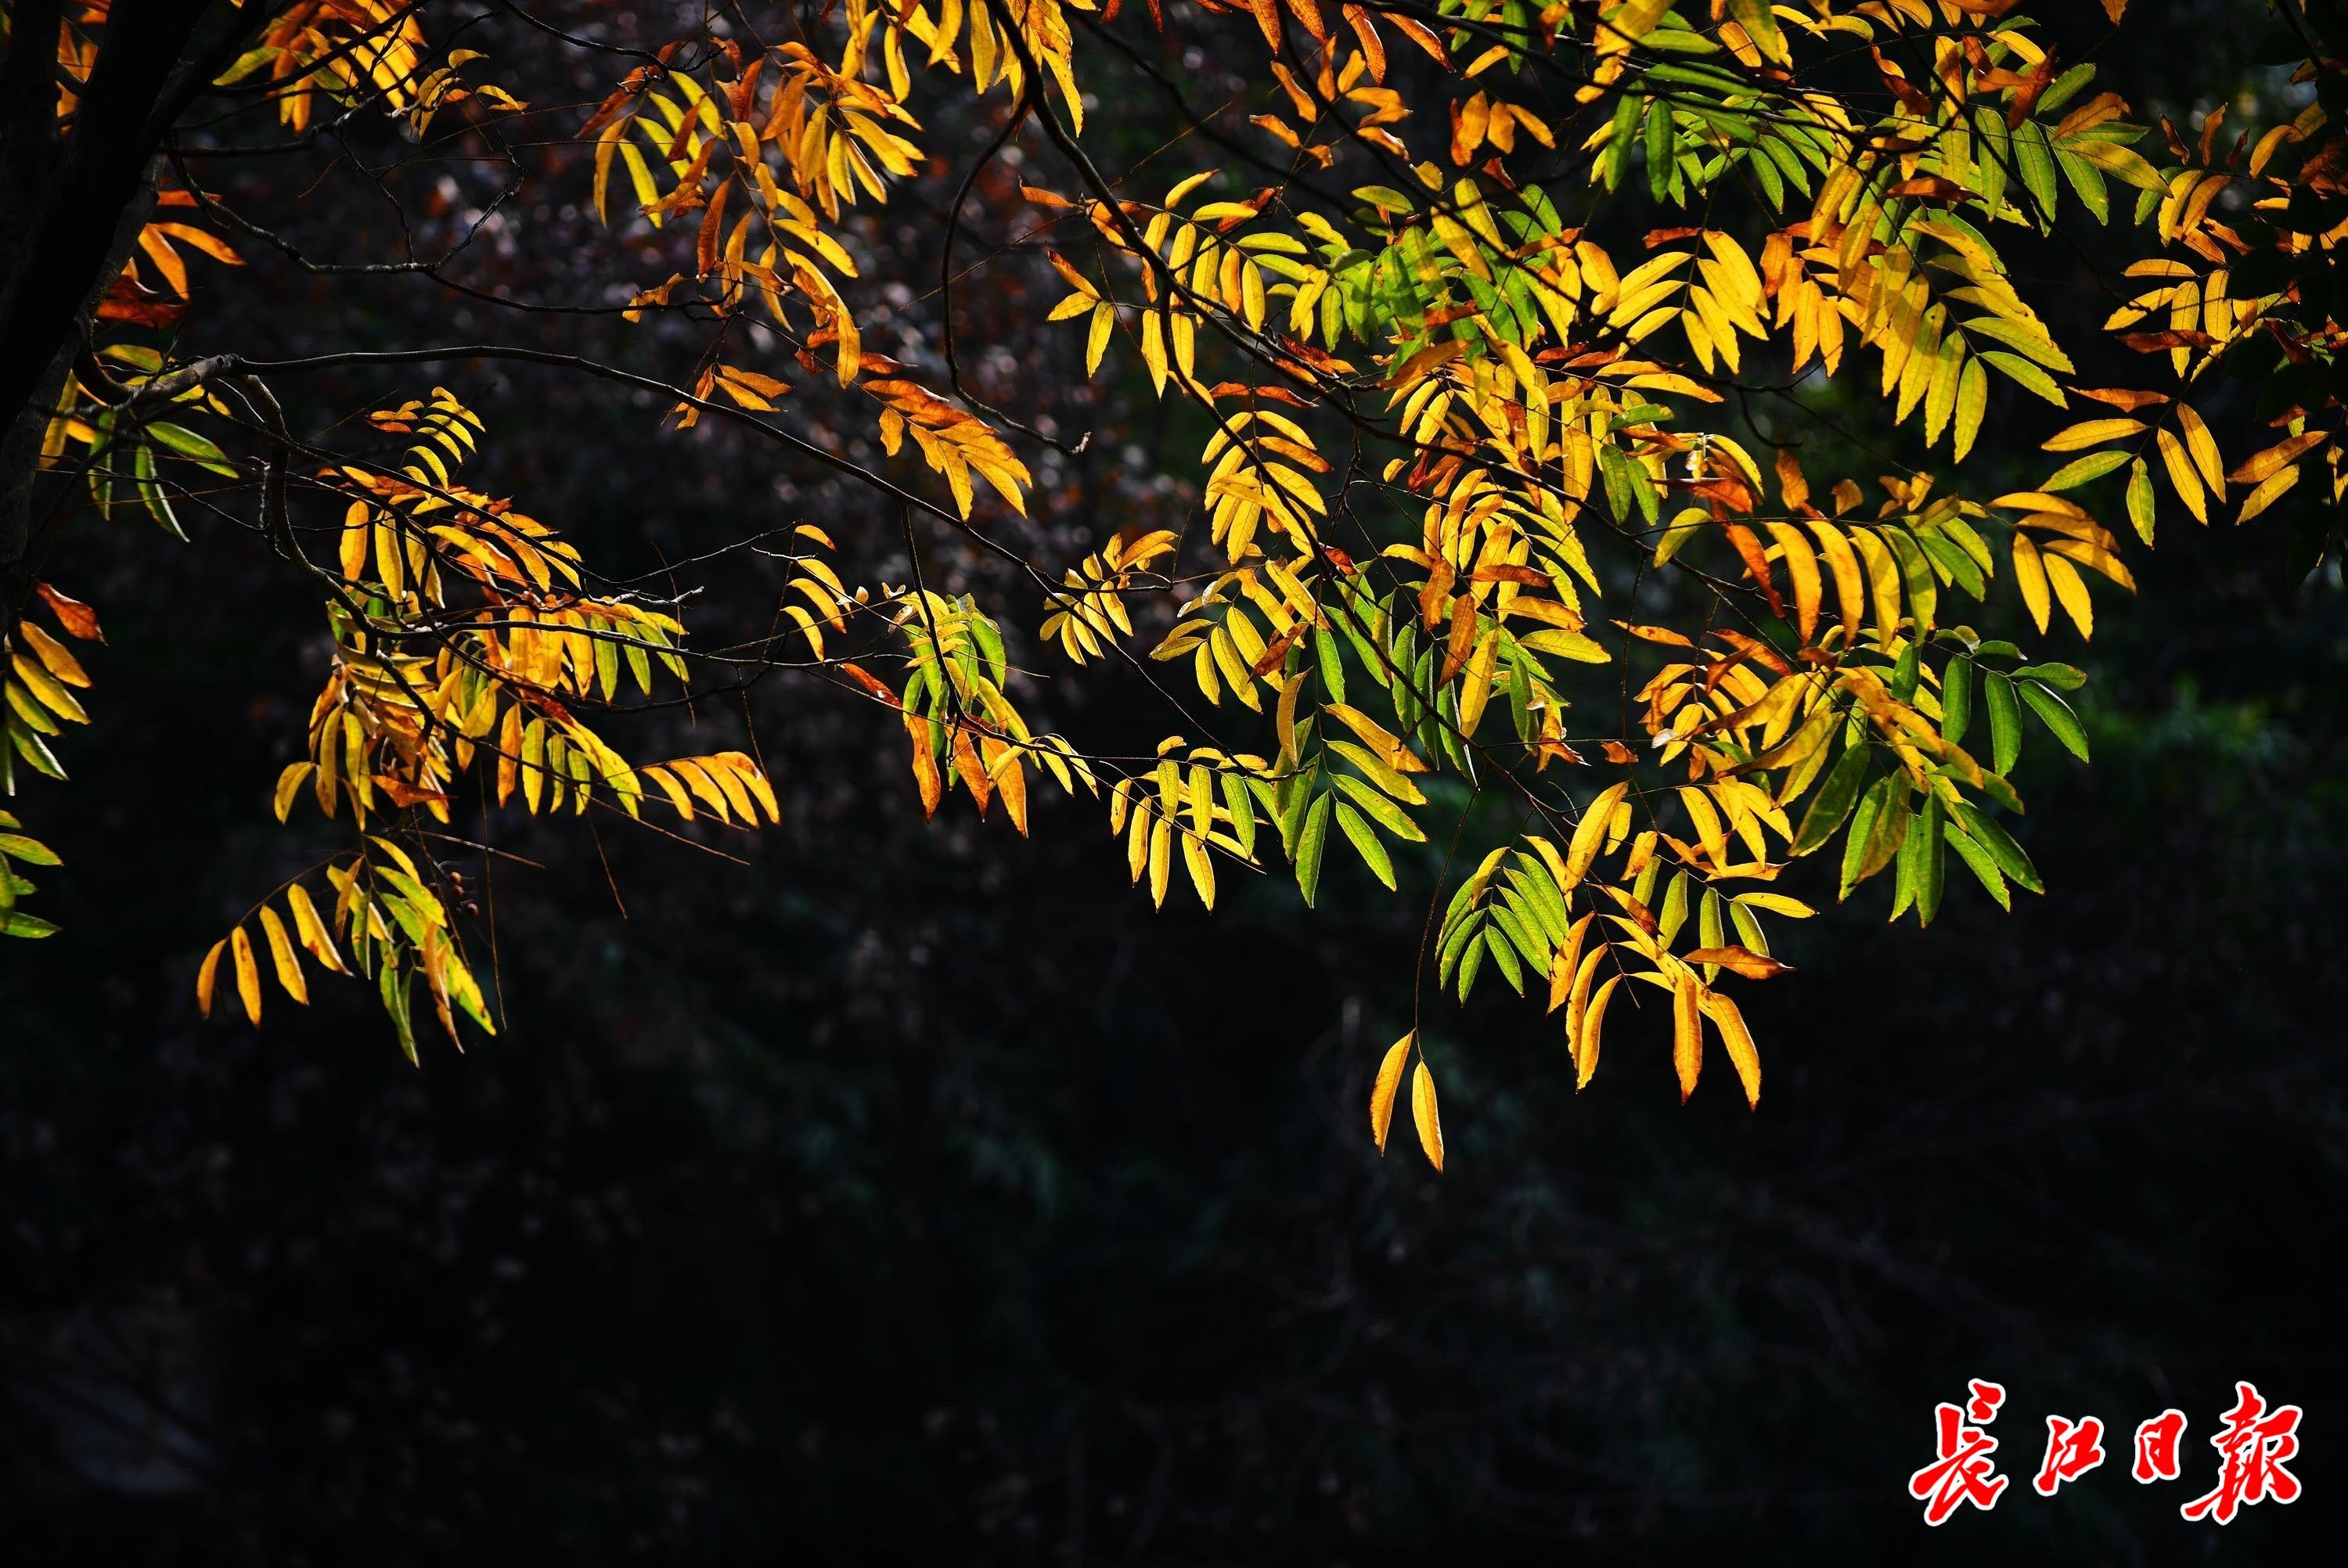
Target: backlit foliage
[1513, 390]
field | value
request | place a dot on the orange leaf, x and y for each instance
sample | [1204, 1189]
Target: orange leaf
[1382, 1091]
[76, 618]
[1741, 960]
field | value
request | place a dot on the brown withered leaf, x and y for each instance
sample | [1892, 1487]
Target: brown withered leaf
[1741, 960]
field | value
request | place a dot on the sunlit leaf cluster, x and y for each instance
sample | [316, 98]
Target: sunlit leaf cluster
[1528, 350]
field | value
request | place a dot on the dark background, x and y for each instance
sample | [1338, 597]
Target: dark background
[918, 1194]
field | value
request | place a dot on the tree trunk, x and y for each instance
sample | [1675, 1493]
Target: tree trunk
[71, 208]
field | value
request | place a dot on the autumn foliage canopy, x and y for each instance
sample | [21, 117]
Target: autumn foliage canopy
[1512, 334]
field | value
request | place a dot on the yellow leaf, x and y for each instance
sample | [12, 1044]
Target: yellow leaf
[2030, 576]
[2071, 591]
[1707, 823]
[1850, 584]
[2181, 476]
[1153, 350]
[1972, 401]
[353, 550]
[312, 930]
[2269, 490]
[1377, 738]
[1593, 1020]
[1476, 682]
[1567, 966]
[1201, 866]
[43, 686]
[248, 973]
[288, 784]
[1389, 1081]
[533, 763]
[510, 755]
[390, 557]
[2204, 449]
[1104, 323]
[1883, 582]
[207, 975]
[1739, 1041]
[281, 956]
[53, 653]
[1687, 1034]
[1801, 563]
[1777, 904]
[1590, 832]
[754, 779]
[1424, 1112]
[2092, 433]
[1161, 845]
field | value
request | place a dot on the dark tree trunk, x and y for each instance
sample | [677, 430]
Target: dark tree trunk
[70, 209]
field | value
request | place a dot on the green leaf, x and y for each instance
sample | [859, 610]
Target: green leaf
[1242, 805]
[150, 492]
[1956, 700]
[16, 923]
[1833, 802]
[1292, 797]
[2008, 854]
[2035, 161]
[2034, 346]
[1510, 970]
[189, 444]
[1330, 661]
[1380, 772]
[1455, 941]
[1932, 862]
[2092, 466]
[2026, 375]
[1310, 842]
[1969, 851]
[393, 984]
[16, 846]
[1387, 815]
[32, 749]
[1471, 959]
[2088, 181]
[1625, 129]
[1662, 150]
[1674, 914]
[1748, 928]
[1907, 874]
[2061, 676]
[2056, 715]
[1906, 674]
[2139, 499]
[1862, 833]
[1365, 841]
[2004, 721]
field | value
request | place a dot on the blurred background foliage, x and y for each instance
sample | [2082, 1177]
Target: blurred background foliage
[916, 1193]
